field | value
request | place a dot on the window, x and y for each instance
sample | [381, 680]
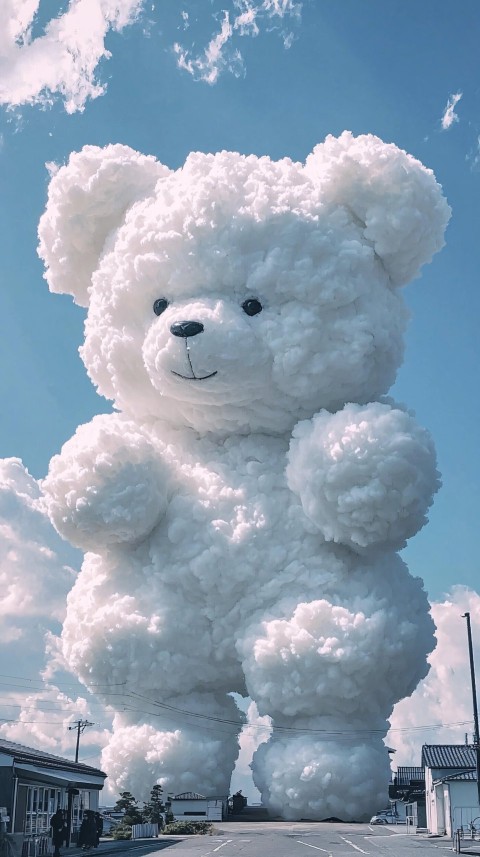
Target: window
[42, 802]
[80, 803]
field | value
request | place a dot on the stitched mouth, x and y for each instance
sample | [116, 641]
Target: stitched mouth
[192, 377]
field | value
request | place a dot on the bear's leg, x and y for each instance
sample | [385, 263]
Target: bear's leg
[186, 743]
[328, 672]
[320, 775]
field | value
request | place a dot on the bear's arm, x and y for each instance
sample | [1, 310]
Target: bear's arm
[108, 484]
[365, 476]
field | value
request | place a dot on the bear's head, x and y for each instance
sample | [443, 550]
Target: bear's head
[237, 293]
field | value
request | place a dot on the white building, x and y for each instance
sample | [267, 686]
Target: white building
[450, 786]
[191, 806]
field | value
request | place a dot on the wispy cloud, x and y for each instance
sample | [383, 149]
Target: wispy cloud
[215, 58]
[39, 65]
[63, 60]
[244, 18]
[449, 115]
[474, 156]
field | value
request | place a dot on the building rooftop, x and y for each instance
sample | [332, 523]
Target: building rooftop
[29, 756]
[405, 775]
[189, 796]
[449, 756]
[464, 776]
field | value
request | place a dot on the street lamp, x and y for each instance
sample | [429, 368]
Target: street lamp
[474, 698]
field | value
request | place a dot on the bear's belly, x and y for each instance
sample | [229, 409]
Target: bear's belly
[233, 551]
[233, 543]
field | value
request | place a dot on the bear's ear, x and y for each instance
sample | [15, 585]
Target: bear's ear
[88, 199]
[396, 198]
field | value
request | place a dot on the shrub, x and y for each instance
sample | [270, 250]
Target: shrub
[122, 831]
[188, 828]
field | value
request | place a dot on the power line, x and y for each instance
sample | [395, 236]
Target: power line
[236, 723]
[294, 729]
[58, 684]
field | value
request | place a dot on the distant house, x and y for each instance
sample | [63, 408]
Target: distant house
[34, 784]
[450, 786]
[111, 817]
[191, 806]
[407, 795]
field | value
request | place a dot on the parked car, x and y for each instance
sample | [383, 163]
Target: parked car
[385, 817]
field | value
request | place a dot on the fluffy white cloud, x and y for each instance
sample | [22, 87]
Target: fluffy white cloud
[36, 574]
[35, 570]
[256, 730]
[64, 58]
[444, 696]
[449, 115]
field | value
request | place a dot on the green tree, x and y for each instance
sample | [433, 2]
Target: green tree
[154, 807]
[129, 806]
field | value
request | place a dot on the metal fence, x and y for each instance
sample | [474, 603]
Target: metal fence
[144, 831]
[36, 846]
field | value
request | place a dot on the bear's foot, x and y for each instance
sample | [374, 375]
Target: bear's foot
[184, 751]
[312, 777]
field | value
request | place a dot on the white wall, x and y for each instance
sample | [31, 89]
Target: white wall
[464, 804]
[180, 807]
[449, 805]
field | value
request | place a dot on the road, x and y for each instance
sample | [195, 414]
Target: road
[284, 839]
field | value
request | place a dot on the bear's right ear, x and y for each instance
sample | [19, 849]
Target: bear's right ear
[88, 199]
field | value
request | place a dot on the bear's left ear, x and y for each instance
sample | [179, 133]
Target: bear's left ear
[395, 197]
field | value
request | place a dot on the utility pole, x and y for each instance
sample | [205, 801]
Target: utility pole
[80, 726]
[476, 737]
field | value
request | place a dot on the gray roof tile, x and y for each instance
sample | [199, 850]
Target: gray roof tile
[448, 756]
[30, 756]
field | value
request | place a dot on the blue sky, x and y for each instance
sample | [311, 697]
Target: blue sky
[387, 68]
[315, 68]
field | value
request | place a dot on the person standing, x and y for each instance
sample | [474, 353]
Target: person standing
[57, 824]
[99, 827]
[87, 838]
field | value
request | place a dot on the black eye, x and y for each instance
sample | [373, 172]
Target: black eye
[160, 306]
[252, 306]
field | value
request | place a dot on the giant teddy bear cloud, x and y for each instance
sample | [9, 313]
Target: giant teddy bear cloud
[242, 507]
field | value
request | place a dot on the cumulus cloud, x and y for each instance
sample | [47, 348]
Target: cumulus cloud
[444, 696]
[256, 730]
[44, 718]
[245, 18]
[63, 59]
[38, 699]
[449, 115]
[35, 570]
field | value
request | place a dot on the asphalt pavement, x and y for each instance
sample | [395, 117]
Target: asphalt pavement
[286, 839]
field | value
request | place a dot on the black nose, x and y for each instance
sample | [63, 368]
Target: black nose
[186, 328]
